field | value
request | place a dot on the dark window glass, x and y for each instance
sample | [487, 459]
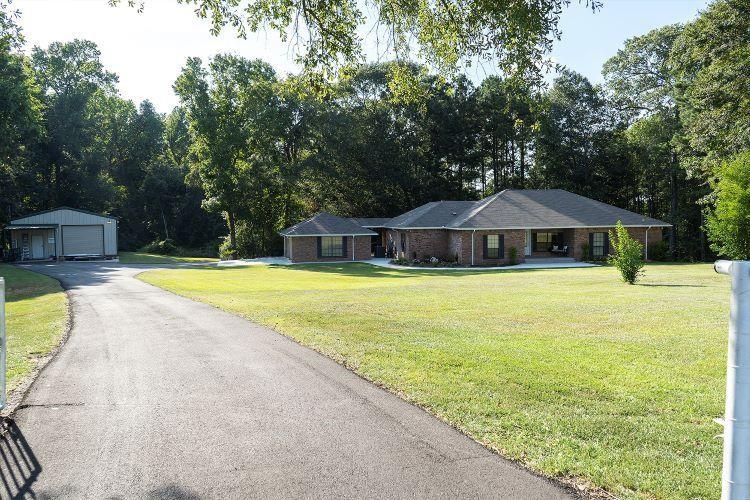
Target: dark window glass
[332, 246]
[598, 247]
[493, 246]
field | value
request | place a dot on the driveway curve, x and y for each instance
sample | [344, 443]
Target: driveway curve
[157, 396]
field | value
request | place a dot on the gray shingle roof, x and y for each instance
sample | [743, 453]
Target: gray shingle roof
[546, 208]
[371, 221]
[523, 209]
[433, 214]
[325, 224]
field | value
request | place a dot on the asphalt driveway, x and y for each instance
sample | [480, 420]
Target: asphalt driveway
[157, 396]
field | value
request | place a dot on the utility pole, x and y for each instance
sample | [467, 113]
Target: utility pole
[735, 477]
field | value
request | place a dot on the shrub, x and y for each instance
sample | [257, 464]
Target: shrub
[426, 262]
[627, 255]
[585, 251]
[227, 251]
[658, 251]
[728, 224]
[161, 247]
[512, 256]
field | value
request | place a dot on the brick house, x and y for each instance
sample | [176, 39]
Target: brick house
[327, 238]
[512, 225]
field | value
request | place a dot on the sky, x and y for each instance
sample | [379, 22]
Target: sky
[147, 50]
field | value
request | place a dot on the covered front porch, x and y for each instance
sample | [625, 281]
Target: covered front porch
[584, 243]
[548, 243]
[30, 242]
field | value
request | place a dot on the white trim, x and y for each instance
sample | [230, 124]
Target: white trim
[522, 228]
[326, 234]
[472, 246]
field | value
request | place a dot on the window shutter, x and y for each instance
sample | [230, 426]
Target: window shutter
[591, 245]
[320, 247]
[484, 246]
[343, 245]
[606, 243]
[501, 251]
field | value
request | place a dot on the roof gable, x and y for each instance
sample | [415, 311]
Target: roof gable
[325, 224]
[436, 214]
[371, 221]
[47, 215]
[546, 208]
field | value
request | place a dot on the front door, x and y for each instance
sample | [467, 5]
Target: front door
[527, 249]
[37, 246]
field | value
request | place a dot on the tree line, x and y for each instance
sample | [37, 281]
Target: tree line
[248, 152]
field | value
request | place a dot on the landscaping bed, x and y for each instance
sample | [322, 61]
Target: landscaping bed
[433, 262]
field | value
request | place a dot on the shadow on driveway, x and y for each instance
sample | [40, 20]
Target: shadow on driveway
[19, 468]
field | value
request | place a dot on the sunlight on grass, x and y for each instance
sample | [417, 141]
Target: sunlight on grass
[569, 371]
[36, 316]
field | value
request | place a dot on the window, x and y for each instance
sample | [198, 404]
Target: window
[331, 246]
[493, 246]
[598, 244]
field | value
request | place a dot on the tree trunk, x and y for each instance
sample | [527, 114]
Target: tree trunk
[673, 204]
[232, 233]
[164, 221]
[702, 238]
[494, 165]
[58, 170]
[484, 171]
[673, 193]
[522, 153]
[287, 198]
[460, 178]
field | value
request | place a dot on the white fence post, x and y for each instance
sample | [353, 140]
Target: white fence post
[735, 476]
[2, 343]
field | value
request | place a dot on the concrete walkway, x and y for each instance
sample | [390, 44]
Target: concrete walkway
[283, 261]
[534, 265]
[157, 396]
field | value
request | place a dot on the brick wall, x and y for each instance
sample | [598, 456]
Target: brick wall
[449, 244]
[362, 247]
[305, 249]
[576, 238]
[424, 243]
[460, 244]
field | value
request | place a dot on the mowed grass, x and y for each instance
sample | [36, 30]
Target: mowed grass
[152, 258]
[36, 316]
[569, 371]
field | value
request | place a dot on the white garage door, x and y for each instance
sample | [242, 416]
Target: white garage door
[83, 240]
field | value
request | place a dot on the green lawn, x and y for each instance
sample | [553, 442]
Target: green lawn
[36, 317]
[152, 258]
[568, 371]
